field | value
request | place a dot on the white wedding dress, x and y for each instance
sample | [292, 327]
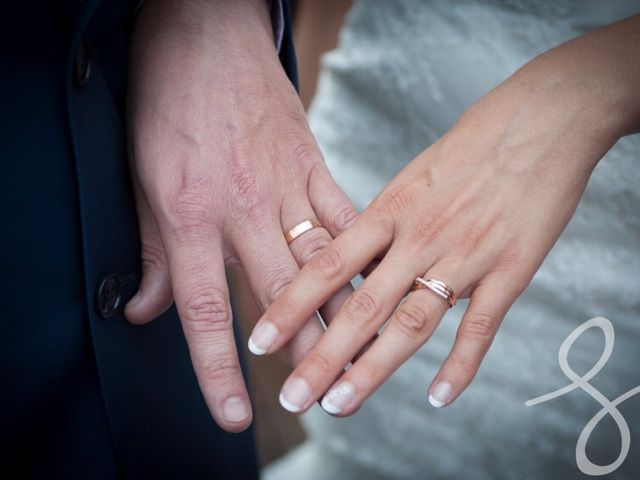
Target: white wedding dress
[403, 72]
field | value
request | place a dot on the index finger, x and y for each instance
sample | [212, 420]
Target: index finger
[323, 276]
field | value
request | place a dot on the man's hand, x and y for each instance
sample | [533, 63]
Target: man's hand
[223, 162]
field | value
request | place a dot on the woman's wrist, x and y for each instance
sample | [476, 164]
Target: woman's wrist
[595, 77]
[578, 98]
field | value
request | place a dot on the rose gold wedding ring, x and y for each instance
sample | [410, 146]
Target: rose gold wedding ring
[301, 228]
[437, 287]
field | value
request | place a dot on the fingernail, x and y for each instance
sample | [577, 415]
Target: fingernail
[295, 395]
[337, 399]
[234, 410]
[263, 337]
[440, 395]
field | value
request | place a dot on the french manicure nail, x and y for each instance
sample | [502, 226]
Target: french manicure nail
[263, 337]
[440, 394]
[337, 399]
[234, 410]
[295, 395]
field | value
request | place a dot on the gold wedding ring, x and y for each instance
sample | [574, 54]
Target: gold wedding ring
[437, 287]
[301, 228]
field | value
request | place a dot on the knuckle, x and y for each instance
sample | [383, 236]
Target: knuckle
[246, 193]
[463, 364]
[472, 238]
[509, 259]
[369, 370]
[306, 155]
[257, 215]
[478, 325]
[244, 183]
[344, 217]
[512, 258]
[208, 311]
[303, 343]
[362, 306]
[312, 242]
[277, 281]
[413, 320]
[320, 364]
[189, 212]
[329, 263]
[152, 256]
[428, 230]
[220, 369]
[395, 201]
[510, 282]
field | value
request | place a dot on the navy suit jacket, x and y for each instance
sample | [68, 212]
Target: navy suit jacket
[84, 393]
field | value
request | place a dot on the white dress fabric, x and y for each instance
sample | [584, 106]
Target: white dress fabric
[403, 72]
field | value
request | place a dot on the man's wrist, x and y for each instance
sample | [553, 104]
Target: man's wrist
[242, 25]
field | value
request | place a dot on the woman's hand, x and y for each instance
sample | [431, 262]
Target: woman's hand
[223, 163]
[479, 210]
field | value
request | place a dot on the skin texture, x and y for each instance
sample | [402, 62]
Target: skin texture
[480, 210]
[222, 163]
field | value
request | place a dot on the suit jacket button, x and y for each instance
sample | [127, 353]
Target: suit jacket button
[108, 295]
[82, 64]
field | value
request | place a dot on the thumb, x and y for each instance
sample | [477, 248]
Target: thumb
[154, 295]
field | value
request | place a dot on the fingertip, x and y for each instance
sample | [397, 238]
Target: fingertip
[152, 299]
[290, 407]
[253, 348]
[349, 412]
[236, 428]
[296, 395]
[329, 407]
[235, 414]
[435, 402]
[263, 337]
[340, 399]
[132, 311]
[144, 311]
[441, 394]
